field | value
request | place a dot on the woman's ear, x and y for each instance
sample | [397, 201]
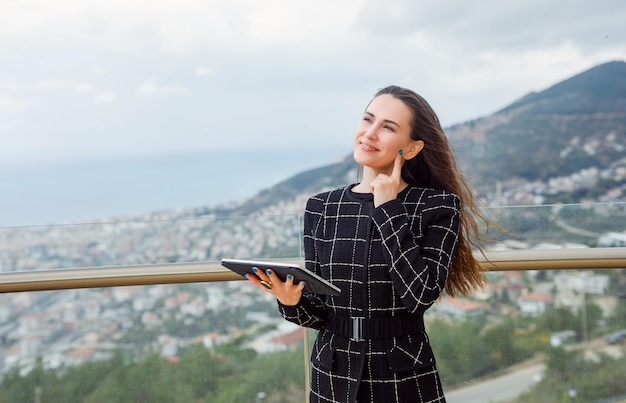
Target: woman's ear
[413, 149]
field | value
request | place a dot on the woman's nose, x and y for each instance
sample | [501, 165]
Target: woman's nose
[371, 131]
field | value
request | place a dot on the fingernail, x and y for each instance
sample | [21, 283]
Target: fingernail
[268, 271]
[289, 276]
[254, 269]
[303, 283]
[400, 152]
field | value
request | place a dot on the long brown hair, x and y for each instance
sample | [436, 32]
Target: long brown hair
[435, 167]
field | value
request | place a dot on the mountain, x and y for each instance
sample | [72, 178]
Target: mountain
[576, 125]
[310, 182]
[600, 89]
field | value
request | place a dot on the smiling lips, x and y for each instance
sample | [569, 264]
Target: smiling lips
[367, 147]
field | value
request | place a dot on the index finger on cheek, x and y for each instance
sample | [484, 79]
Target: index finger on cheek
[397, 166]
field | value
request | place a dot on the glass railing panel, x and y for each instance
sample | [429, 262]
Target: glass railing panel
[558, 226]
[155, 241]
[211, 342]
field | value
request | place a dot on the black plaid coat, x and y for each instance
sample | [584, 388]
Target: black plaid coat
[388, 261]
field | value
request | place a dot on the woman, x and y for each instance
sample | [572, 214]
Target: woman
[392, 243]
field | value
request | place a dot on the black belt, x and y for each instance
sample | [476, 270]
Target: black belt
[360, 328]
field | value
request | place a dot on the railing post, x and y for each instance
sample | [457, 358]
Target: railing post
[306, 365]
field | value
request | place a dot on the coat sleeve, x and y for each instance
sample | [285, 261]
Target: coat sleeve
[310, 310]
[419, 249]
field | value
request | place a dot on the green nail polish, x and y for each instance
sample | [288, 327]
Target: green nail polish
[400, 152]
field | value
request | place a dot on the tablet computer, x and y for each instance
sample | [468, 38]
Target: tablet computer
[313, 283]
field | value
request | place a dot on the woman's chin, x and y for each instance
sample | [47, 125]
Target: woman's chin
[363, 157]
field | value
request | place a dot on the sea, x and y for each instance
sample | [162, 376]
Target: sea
[83, 191]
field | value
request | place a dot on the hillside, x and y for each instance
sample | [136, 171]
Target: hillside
[601, 89]
[575, 124]
[578, 124]
[309, 182]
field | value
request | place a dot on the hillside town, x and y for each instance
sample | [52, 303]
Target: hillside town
[66, 328]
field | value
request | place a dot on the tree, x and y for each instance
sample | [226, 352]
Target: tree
[561, 363]
[557, 319]
[199, 369]
[593, 316]
[618, 319]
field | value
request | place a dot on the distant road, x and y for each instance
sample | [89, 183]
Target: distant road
[575, 230]
[499, 389]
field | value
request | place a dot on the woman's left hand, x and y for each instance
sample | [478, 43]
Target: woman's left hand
[286, 291]
[386, 187]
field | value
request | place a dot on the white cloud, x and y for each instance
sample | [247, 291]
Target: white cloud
[66, 84]
[83, 88]
[10, 85]
[8, 102]
[150, 88]
[55, 84]
[12, 97]
[105, 97]
[203, 71]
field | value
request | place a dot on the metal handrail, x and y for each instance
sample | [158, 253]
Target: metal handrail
[57, 279]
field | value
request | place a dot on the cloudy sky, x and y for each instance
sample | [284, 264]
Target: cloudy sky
[87, 79]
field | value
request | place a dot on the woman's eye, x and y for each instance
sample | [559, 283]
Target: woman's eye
[367, 119]
[389, 127]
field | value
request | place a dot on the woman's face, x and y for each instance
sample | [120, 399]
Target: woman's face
[384, 130]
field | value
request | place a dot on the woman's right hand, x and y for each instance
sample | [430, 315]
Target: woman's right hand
[286, 291]
[386, 187]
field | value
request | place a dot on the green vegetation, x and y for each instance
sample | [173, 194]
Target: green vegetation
[229, 374]
[593, 380]
[473, 349]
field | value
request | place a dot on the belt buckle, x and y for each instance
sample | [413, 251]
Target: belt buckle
[357, 328]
